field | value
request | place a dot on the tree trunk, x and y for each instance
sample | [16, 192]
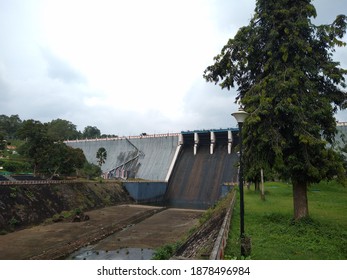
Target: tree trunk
[300, 200]
[256, 185]
[262, 190]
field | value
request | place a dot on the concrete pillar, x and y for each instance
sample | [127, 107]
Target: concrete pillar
[230, 141]
[180, 139]
[178, 149]
[196, 142]
[213, 142]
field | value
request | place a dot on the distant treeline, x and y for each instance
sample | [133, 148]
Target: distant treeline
[58, 129]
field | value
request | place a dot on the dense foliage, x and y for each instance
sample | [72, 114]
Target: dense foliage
[41, 149]
[47, 155]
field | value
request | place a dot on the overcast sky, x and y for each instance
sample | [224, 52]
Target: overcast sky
[126, 67]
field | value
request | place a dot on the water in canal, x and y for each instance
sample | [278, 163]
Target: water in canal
[89, 253]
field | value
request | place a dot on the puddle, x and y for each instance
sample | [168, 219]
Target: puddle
[88, 253]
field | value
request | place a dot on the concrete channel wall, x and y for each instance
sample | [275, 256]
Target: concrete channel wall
[221, 241]
[146, 192]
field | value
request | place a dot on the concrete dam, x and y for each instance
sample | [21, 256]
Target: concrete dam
[190, 169]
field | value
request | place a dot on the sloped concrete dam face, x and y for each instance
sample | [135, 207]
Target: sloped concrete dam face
[146, 157]
[197, 180]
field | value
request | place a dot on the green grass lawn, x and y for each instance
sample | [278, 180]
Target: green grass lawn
[275, 236]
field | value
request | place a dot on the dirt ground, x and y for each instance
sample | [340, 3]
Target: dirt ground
[112, 227]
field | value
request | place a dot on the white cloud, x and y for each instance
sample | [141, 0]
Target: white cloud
[59, 69]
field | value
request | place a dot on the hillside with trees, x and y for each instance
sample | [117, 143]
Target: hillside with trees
[30, 146]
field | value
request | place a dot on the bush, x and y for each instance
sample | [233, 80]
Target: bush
[14, 222]
[90, 171]
[15, 166]
[166, 252]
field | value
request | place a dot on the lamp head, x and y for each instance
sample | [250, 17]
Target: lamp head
[240, 115]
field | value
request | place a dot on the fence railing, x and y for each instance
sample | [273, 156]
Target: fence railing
[34, 182]
[221, 241]
[124, 137]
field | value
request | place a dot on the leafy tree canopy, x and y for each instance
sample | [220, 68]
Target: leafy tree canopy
[46, 154]
[91, 132]
[62, 130]
[9, 125]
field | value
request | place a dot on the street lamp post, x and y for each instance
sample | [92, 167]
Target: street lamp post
[240, 117]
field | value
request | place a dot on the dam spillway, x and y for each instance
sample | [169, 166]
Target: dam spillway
[188, 169]
[201, 171]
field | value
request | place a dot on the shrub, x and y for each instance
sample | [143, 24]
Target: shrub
[166, 252]
[13, 222]
[15, 166]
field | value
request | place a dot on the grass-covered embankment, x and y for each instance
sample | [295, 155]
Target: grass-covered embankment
[274, 234]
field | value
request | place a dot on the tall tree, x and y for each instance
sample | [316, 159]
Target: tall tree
[288, 81]
[101, 156]
[9, 125]
[62, 130]
[64, 160]
[3, 142]
[91, 132]
[37, 143]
